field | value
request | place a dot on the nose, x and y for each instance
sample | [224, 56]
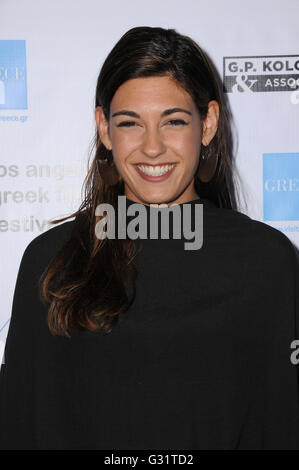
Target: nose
[153, 145]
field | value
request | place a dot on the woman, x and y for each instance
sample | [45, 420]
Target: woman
[125, 343]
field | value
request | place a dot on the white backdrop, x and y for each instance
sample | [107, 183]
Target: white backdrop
[50, 57]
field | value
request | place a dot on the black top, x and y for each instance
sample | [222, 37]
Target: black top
[201, 360]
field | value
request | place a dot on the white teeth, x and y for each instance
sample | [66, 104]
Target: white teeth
[155, 170]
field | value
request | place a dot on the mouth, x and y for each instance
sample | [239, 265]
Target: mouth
[155, 172]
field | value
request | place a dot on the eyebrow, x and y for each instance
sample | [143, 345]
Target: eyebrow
[164, 113]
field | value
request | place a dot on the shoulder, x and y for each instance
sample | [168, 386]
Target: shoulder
[260, 240]
[264, 235]
[45, 246]
[53, 237]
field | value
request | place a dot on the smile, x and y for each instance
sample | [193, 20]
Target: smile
[158, 170]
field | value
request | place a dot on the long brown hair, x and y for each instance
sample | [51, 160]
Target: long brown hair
[85, 284]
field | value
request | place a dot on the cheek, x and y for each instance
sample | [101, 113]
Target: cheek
[188, 146]
[123, 144]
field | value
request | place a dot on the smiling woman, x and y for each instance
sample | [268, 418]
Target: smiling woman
[139, 343]
[162, 136]
[159, 144]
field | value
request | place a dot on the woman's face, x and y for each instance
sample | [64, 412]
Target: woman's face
[154, 131]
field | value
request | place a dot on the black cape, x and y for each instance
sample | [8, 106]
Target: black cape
[201, 360]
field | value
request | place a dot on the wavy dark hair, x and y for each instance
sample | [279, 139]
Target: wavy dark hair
[85, 283]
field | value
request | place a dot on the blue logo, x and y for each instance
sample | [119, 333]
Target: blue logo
[13, 83]
[281, 186]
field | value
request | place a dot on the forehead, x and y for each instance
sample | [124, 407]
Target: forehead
[150, 93]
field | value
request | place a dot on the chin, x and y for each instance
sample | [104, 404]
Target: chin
[157, 199]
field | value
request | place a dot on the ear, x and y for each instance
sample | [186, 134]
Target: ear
[103, 127]
[210, 123]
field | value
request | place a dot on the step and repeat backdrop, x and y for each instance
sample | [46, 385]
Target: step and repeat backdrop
[50, 57]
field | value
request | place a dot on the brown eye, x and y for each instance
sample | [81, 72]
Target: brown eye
[125, 124]
[177, 122]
